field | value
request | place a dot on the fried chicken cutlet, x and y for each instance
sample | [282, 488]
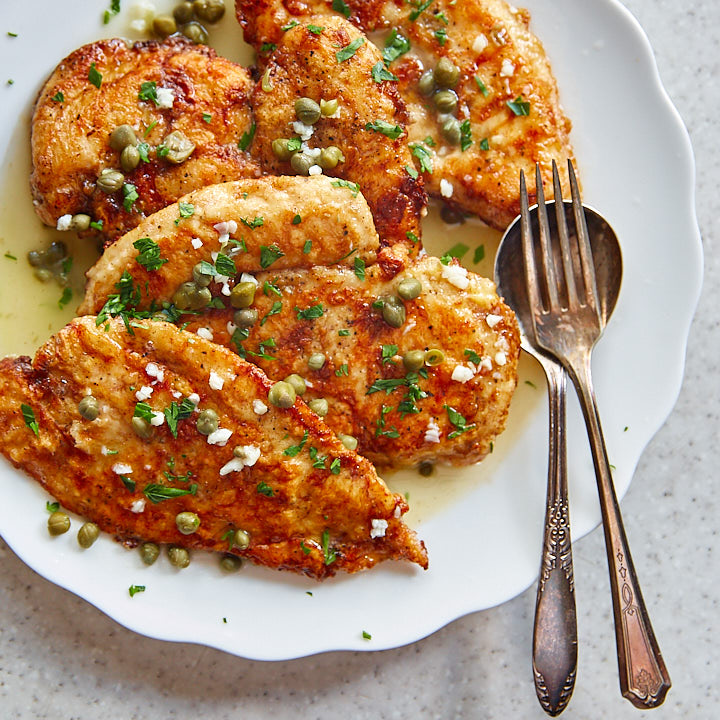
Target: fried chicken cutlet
[182, 425]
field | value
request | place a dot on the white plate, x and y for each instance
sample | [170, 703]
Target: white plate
[483, 530]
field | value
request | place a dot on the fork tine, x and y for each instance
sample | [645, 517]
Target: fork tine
[545, 246]
[526, 234]
[586, 258]
[567, 261]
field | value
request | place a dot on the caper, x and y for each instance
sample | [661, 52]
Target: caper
[301, 163]
[330, 157]
[434, 356]
[209, 10]
[80, 222]
[199, 277]
[281, 150]
[110, 181]
[246, 317]
[58, 523]
[187, 522]
[451, 131]
[141, 427]
[414, 359]
[329, 107]
[297, 382]
[426, 468]
[178, 147]
[451, 215]
[43, 274]
[282, 394]
[195, 32]
[241, 540]
[319, 406]
[409, 288]
[200, 299]
[129, 158]
[230, 563]
[207, 422]
[149, 553]
[446, 73]
[426, 83]
[393, 311]
[89, 407]
[445, 101]
[182, 298]
[178, 556]
[123, 136]
[164, 25]
[348, 441]
[87, 534]
[56, 253]
[307, 110]
[183, 13]
[243, 294]
[36, 258]
[316, 361]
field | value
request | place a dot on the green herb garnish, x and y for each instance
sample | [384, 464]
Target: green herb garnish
[29, 417]
[148, 254]
[349, 50]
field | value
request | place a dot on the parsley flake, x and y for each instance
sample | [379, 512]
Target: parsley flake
[269, 254]
[481, 86]
[58, 97]
[385, 128]
[458, 421]
[130, 195]
[307, 247]
[341, 7]
[94, 76]
[395, 46]
[149, 254]
[349, 50]
[257, 222]
[423, 155]
[519, 106]
[316, 29]
[311, 313]
[465, 135]
[247, 138]
[148, 91]
[359, 268]
[157, 493]
[29, 417]
[65, 298]
[329, 555]
[264, 489]
[293, 23]
[380, 73]
[135, 589]
[354, 188]
[295, 450]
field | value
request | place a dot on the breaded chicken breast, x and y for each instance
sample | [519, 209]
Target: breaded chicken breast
[188, 118]
[132, 429]
[471, 128]
[327, 60]
[283, 222]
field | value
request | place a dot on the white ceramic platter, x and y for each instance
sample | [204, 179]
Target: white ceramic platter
[482, 525]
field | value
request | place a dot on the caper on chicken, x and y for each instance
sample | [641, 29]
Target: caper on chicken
[157, 435]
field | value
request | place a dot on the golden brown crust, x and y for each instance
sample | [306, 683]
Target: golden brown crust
[284, 501]
[70, 137]
[489, 41]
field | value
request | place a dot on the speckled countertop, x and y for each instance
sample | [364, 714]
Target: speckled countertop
[60, 657]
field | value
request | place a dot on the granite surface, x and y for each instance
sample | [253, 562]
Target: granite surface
[60, 657]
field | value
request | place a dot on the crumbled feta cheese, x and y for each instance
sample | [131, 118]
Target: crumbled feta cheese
[485, 363]
[219, 437]
[462, 374]
[446, 188]
[432, 433]
[176, 394]
[157, 419]
[143, 393]
[64, 222]
[500, 358]
[197, 243]
[165, 98]
[397, 513]
[234, 465]
[304, 131]
[507, 69]
[409, 325]
[492, 320]
[155, 372]
[139, 25]
[249, 454]
[215, 382]
[379, 527]
[313, 152]
[225, 289]
[247, 277]
[138, 506]
[480, 43]
[259, 407]
[205, 332]
[231, 327]
[315, 170]
[456, 275]
[122, 469]
[194, 398]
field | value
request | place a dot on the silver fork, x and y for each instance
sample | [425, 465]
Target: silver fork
[563, 297]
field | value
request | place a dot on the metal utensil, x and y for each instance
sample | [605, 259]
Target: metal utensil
[567, 319]
[555, 626]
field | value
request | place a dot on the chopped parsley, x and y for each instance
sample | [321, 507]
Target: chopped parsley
[465, 135]
[58, 97]
[306, 550]
[274, 310]
[130, 195]
[412, 172]
[342, 370]
[144, 150]
[335, 466]
[344, 332]
[144, 411]
[380, 430]
[456, 251]
[247, 137]
[186, 210]
[157, 493]
[311, 313]
[135, 589]
[395, 46]
[294, 144]
[307, 247]
[329, 555]
[148, 91]
[97, 225]
[269, 254]
[297, 219]
[267, 47]
[270, 287]
[293, 23]
[380, 73]
[65, 298]
[385, 128]
[458, 421]
[94, 76]
[149, 254]
[359, 268]
[29, 417]
[10, 256]
[366, 635]
[341, 7]
[481, 86]
[349, 50]
[484, 144]
[472, 356]
[252, 224]
[519, 106]
[315, 29]
[264, 489]
[420, 8]
[52, 507]
[412, 237]
[479, 254]
[295, 450]
[129, 483]
[207, 117]
[441, 36]
[388, 352]
[354, 188]
[225, 265]
[176, 412]
[423, 155]
[109, 15]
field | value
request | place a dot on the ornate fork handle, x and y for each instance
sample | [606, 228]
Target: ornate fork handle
[555, 629]
[644, 679]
